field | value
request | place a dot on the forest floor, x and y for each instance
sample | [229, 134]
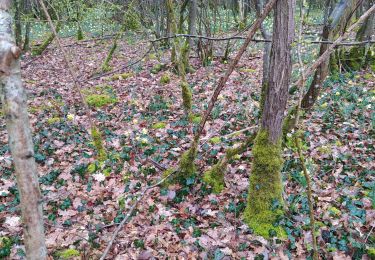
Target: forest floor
[145, 120]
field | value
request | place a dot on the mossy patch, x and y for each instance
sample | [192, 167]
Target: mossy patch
[68, 253]
[100, 96]
[159, 125]
[157, 68]
[98, 143]
[333, 211]
[5, 247]
[187, 96]
[53, 120]
[122, 76]
[196, 119]
[215, 140]
[100, 100]
[264, 204]
[371, 253]
[165, 79]
[165, 174]
[247, 70]
[215, 177]
[187, 165]
[132, 21]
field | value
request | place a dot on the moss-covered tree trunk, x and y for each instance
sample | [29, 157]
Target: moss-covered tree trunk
[47, 42]
[265, 201]
[334, 26]
[179, 58]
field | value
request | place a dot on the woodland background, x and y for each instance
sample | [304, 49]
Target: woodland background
[115, 104]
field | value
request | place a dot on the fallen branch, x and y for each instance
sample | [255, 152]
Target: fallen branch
[255, 40]
[130, 212]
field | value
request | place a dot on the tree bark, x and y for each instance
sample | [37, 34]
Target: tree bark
[192, 20]
[266, 52]
[265, 202]
[20, 140]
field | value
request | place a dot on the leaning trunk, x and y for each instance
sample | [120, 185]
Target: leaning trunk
[13, 98]
[334, 27]
[265, 202]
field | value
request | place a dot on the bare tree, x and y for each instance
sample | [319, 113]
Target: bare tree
[13, 98]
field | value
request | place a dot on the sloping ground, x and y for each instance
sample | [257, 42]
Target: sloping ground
[144, 120]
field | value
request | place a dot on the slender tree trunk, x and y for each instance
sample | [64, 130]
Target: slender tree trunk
[266, 52]
[13, 98]
[192, 20]
[335, 25]
[265, 201]
[17, 18]
[27, 11]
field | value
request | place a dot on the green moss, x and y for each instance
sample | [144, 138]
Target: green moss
[196, 119]
[334, 211]
[79, 34]
[159, 125]
[165, 174]
[53, 120]
[165, 79]
[371, 253]
[132, 21]
[152, 56]
[263, 96]
[157, 68]
[122, 76]
[39, 50]
[105, 66]
[187, 166]
[185, 56]
[215, 177]
[186, 96]
[68, 253]
[5, 247]
[354, 59]
[264, 204]
[246, 70]
[215, 140]
[98, 143]
[92, 167]
[100, 100]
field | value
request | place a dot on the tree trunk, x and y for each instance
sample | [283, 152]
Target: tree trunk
[192, 20]
[27, 11]
[334, 26]
[265, 202]
[13, 98]
[266, 53]
[17, 20]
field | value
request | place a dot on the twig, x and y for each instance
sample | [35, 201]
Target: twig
[235, 37]
[130, 212]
